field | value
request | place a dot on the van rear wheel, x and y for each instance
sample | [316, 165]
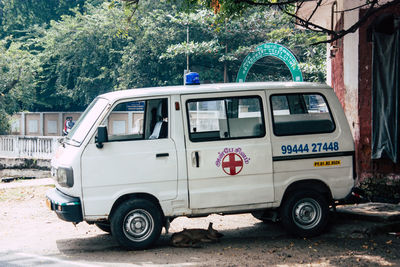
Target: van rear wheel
[305, 213]
[136, 224]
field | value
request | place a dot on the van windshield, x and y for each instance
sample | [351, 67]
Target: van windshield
[86, 121]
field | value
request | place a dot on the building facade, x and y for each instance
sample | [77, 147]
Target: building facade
[364, 70]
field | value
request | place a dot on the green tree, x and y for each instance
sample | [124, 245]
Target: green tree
[302, 12]
[151, 32]
[17, 16]
[222, 46]
[157, 54]
[17, 81]
[80, 58]
[21, 23]
[17, 70]
[62, 60]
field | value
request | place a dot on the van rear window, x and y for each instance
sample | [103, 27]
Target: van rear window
[297, 114]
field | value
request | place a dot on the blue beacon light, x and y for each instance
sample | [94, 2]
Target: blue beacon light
[192, 78]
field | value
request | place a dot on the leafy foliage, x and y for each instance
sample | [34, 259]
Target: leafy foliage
[80, 58]
[4, 122]
[302, 12]
[17, 16]
[381, 189]
[60, 54]
[151, 34]
[229, 41]
[17, 81]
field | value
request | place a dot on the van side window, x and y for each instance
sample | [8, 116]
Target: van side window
[225, 118]
[138, 120]
[296, 114]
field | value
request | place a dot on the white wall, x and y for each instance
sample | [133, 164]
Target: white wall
[351, 65]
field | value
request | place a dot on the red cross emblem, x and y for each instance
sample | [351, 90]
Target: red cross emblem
[232, 164]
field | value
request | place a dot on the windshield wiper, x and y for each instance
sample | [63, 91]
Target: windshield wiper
[73, 140]
[76, 141]
[69, 140]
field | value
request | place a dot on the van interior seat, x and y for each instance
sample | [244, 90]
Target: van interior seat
[303, 124]
[245, 127]
[161, 127]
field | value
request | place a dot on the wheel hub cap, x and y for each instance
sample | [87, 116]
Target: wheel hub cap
[307, 213]
[138, 225]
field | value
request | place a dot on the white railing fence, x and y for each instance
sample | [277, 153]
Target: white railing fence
[16, 146]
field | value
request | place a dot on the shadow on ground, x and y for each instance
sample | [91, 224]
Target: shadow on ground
[346, 243]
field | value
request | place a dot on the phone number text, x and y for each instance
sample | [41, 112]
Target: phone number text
[306, 148]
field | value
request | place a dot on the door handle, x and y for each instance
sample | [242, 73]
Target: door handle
[162, 155]
[197, 159]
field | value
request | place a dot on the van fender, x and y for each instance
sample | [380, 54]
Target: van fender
[128, 196]
[313, 184]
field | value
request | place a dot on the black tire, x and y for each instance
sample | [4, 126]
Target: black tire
[260, 215]
[136, 224]
[104, 226]
[305, 214]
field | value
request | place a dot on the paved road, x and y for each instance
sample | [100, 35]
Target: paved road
[31, 235]
[17, 259]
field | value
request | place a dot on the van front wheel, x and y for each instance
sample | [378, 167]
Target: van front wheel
[104, 226]
[305, 213]
[136, 224]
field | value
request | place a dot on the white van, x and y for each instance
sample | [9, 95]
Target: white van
[136, 159]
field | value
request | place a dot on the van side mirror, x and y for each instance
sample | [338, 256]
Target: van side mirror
[102, 136]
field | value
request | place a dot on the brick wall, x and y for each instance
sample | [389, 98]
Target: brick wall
[368, 167]
[337, 66]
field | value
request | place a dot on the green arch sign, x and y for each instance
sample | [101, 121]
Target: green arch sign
[273, 50]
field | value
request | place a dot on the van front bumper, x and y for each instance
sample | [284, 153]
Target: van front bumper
[66, 207]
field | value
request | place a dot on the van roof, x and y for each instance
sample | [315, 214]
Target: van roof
[210, 88]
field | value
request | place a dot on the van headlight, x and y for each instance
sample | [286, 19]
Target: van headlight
[65, 176]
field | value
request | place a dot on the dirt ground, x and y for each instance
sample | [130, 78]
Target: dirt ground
[31, 235]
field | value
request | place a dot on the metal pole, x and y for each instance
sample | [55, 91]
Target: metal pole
[225, 65]
[187, 52]
[226, 53]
